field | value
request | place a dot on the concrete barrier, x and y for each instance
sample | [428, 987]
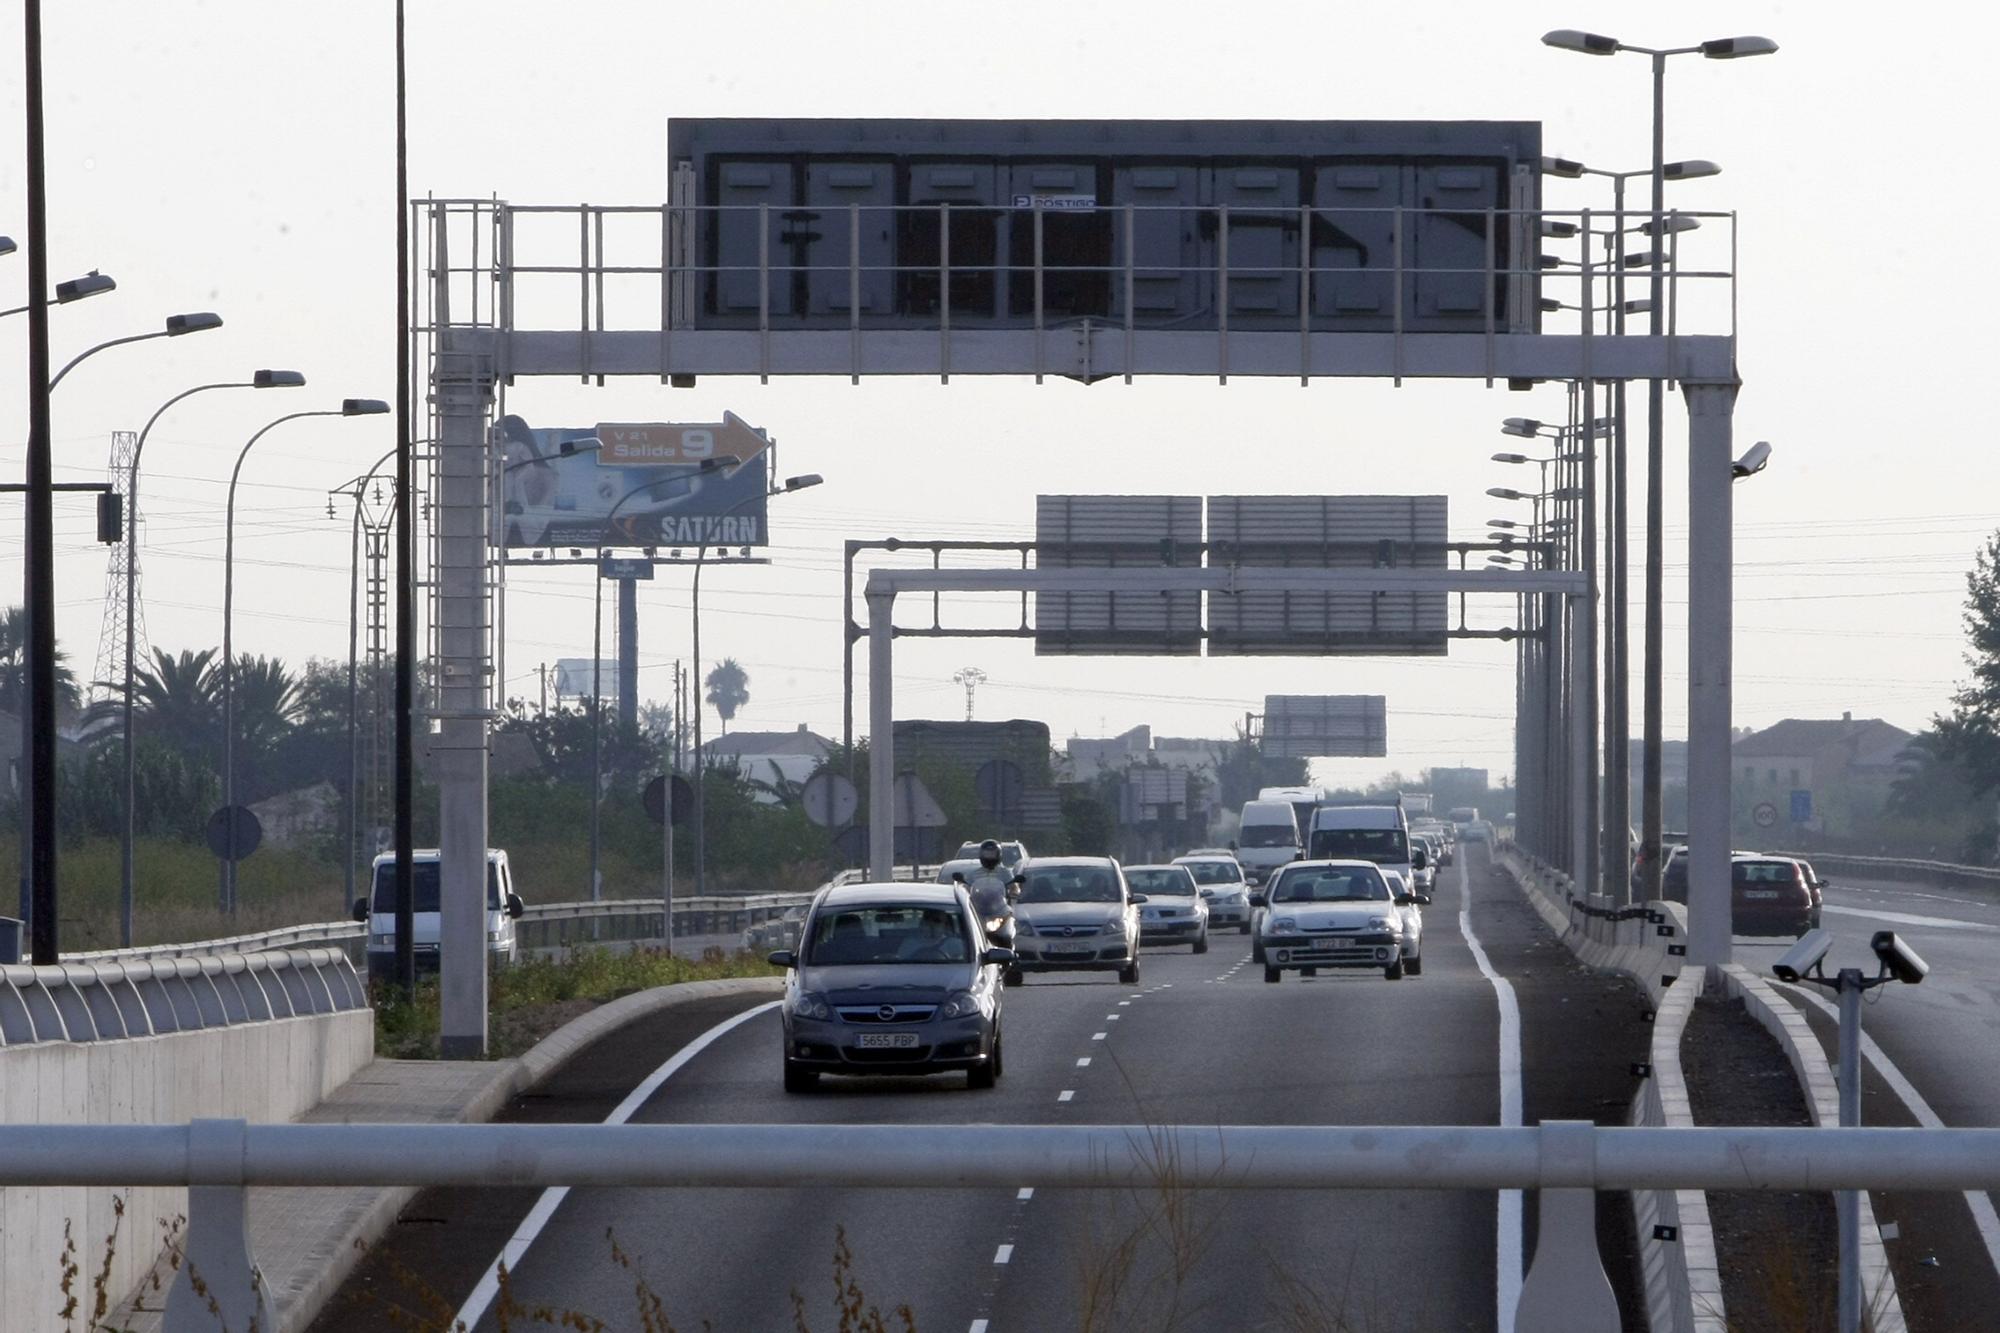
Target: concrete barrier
[263, 1038]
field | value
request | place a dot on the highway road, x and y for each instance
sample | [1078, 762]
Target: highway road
[1202, 1040]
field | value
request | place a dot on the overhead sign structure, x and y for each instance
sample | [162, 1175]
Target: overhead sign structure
[633, 484]
[1117, 532]
[575, 680]
[1325, 726]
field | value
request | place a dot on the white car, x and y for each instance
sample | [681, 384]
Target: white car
[1221, 879]
[1175, 912]
[1333, 914]
[1076, 914]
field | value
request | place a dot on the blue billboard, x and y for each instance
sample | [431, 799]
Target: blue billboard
[633, 484]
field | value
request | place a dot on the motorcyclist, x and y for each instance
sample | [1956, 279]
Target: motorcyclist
[988, 887]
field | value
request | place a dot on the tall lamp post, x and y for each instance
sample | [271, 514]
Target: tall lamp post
[90, 284]
[263, 379]
[351, 407]
[791, 484]
[1724, 48]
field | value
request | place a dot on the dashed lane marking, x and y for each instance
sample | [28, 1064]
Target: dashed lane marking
[1003, 1254]
[1065, 1095]
[1099, 1036]
[1025, 1193]
[1083, 1062]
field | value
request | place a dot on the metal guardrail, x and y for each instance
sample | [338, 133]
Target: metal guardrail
[144, 998]
[1567, 1161]
[1945, 873]
[542, 925]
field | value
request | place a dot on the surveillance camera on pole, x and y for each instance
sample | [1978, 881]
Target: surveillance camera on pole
[1803, 962]
[1755, 459]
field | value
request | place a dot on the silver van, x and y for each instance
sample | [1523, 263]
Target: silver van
[378, 911]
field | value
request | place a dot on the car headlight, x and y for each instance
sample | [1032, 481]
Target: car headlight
[1285, 925]
[1115, 926]
[806, 1004]
[1379, 923]
[492, 937]
[961, 1005]
[381, 941]
[1023, 926]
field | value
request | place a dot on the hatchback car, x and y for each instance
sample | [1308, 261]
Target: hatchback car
[1332, 914]
[778, 932]
[1771, 895]
[891, 979]
[1174, 912]
[1223, 887]
[1076, 914]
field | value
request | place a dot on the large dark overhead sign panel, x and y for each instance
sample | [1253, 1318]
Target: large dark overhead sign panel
[1118, 532]
[1319, 225]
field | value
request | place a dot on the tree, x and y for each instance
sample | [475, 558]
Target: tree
[14, 668]
[728, 689]
[1970, 736]
[178, 700]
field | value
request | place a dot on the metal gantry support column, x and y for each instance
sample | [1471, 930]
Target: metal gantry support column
[463, 393]
[1710, 455]
[881, 735]
[628, 652]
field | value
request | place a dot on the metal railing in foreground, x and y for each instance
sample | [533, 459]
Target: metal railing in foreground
[1564, 1289]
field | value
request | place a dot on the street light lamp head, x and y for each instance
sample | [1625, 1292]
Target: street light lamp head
[1560, 230]
[1755, 459]
[1668, 226]
[277, 379]
[1693, 169]
[1504, 493]
[363, 407]
[1501, 523]
[1511, 458]
[199, 322]
[1639, 306]
[1736, 48]
[90, 284]
[1587, 43]
[1562, 166]
[1526, 428]
[804, 482]
[6, 245]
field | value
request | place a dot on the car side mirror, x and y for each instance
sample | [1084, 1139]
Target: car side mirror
[1256, 900]
[1232, 844]
[1298, 856]
[999, 957]
[1014, 891]
[1406, 900]
[1208, 893]
[1137, 898]
[1423, 900]
[1418, 860]
[515, 906]
[957, 877]
[361, 910]
[1018, 880]
[782, 958]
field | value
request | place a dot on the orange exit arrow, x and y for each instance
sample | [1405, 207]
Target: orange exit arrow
[665, 444]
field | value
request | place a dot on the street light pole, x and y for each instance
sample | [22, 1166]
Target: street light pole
[352, 407]
[263, 379]
[40, 529]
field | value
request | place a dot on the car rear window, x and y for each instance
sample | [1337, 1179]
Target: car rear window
[1763, 872]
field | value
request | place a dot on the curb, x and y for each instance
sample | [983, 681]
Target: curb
[509, 1079]
[1879, 1304]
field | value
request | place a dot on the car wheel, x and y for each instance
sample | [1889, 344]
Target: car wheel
[1415, 966]
[1129, 974]
[800, 1080]
[1013, 976]
[986, 1075]
[998, 1066]
[1394, 971]
[1201, 945]
[1273, 975]
[1257, 950]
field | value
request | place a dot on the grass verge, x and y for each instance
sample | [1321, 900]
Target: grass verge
[529, 1000]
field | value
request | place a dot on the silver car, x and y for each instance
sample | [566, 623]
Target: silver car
[1223, 887]
[1175, 912]
[892, 979]
[1332, 914]
[1075, 914]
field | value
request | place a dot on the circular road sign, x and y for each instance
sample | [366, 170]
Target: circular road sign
[830, 800]
[656, 799]
[1765, 814]
[249, 832]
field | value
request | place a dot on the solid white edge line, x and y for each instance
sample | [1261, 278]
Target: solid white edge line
[1984, 1217]
[525, 1235]
[1508, 1259]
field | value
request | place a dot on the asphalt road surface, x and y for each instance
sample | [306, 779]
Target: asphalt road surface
[1203, 1040]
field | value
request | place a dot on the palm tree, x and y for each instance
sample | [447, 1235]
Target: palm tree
[14, 666]
[266, 703]
[179, 700]
[728, 690]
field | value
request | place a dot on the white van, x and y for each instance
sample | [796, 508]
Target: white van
[1267, 837]
[378, 910]
[1377, 833]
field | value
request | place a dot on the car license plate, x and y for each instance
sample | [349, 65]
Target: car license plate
[1072, 950]
[1760, 893]
[875, 1041]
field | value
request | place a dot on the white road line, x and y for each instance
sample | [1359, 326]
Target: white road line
[1980, 1202]
[1083, 1062]
[1113, 1018]
[1509, 1254]
[1123, 1003]
[1065, 1094]
[1003, 1254]
[545, 1207]
[1907, 919]
[978, 1326]
[1027, 1192]
[1099, 1036]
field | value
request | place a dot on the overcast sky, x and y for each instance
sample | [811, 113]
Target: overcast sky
[237, 157]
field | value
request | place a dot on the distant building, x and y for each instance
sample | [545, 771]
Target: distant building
[774, 758]
[1846, 766]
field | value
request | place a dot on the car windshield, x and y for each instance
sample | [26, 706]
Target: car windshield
[1217, 871]
[1172, 880]
[1010, 853]
[1330, 886]
[1764, 872]
[1381, 845]
[888, 933]
[1070, 884]
[424, 876]
[1266, 835]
